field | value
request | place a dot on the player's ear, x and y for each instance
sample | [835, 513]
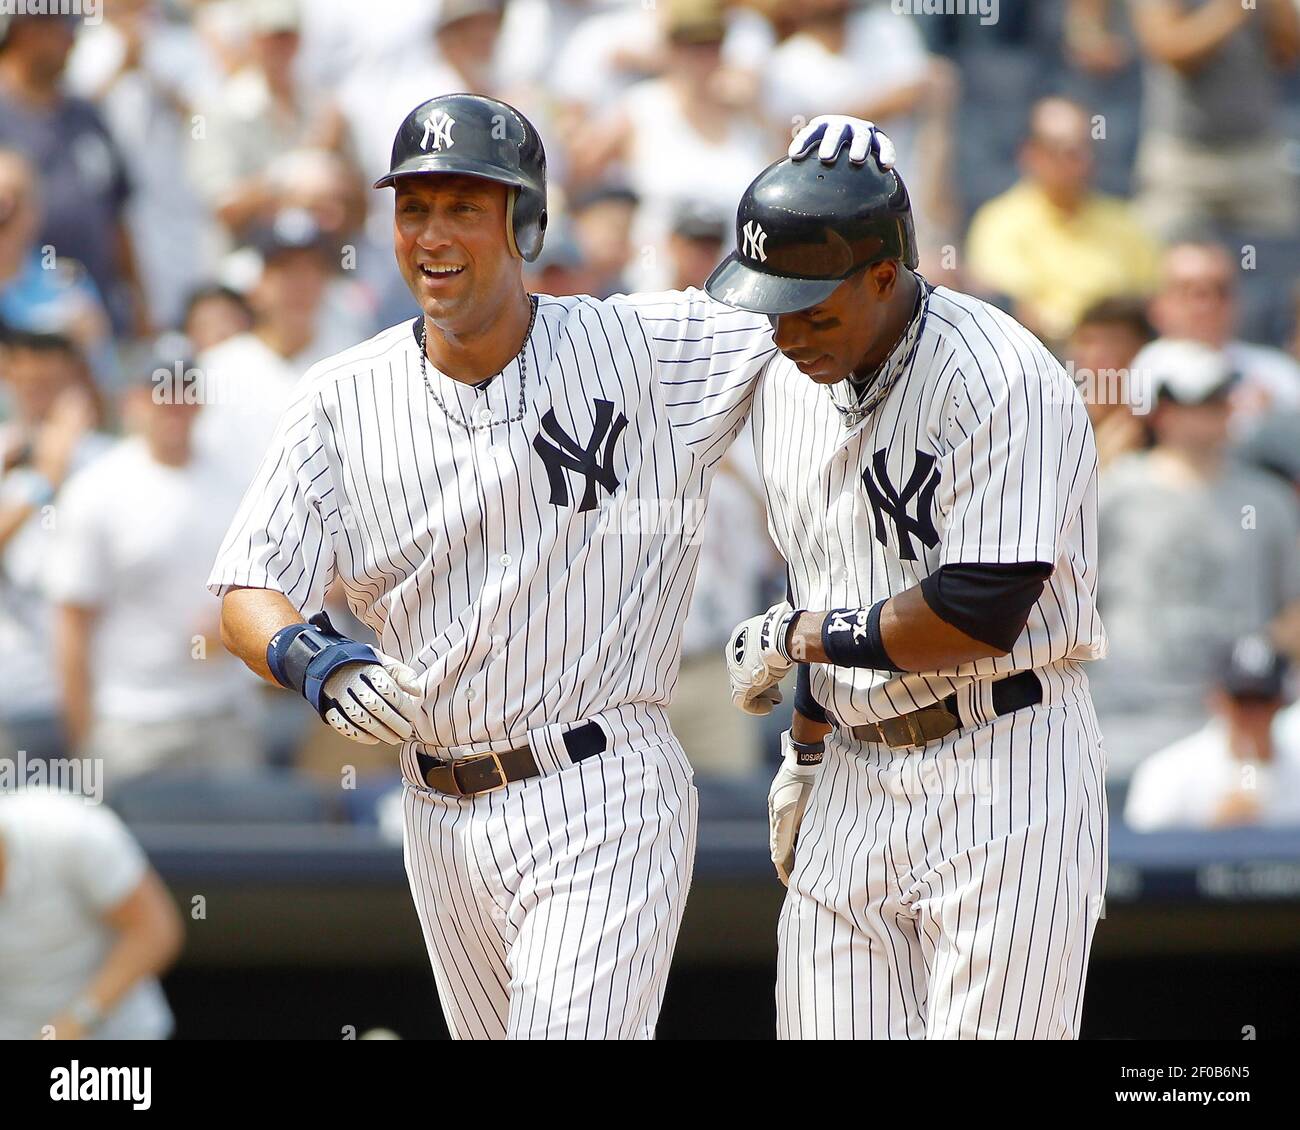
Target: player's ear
[882, 277]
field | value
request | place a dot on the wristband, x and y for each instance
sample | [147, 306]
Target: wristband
[775, 633]
[303, 656]
[851, 638]
[807, 754]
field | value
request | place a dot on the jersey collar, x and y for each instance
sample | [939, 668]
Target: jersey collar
[856, 400]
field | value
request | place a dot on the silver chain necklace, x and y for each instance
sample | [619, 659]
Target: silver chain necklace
[523, 376]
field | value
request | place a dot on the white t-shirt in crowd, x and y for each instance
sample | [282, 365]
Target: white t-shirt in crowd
[31, 686]
[664, 144]
[882, 52]
[67, 863]
[135, 541]
[1183, 785]
[247, 386]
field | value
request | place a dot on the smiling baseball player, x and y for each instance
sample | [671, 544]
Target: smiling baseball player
[507, 489]
[939, 817]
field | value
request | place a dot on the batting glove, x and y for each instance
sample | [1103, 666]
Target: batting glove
[832, 130]
[362, 693]
[757, 660]
[374, 702]
[786, 801]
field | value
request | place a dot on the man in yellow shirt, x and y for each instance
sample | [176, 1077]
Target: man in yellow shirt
[1050, 243]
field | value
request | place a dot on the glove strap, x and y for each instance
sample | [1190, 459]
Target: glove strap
[775, 633]
[807, 754]
[303, 656]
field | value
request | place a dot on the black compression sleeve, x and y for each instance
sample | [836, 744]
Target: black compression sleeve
[804, 702]
[990, 603]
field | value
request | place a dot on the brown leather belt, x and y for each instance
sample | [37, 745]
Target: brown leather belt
[930, 723]
[487, 772]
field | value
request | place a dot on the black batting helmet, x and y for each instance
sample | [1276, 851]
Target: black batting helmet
[480, 137]
[803, 227]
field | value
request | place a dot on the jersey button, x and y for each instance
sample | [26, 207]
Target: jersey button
[471, 694]
[483, 416]
[506, 559]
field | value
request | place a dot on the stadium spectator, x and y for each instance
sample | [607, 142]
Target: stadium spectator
[49, 434]
[1233, 771]
[663, 127]
[82, 171]
[1196, 551]
[86, 925]
[146, 74]
[560, 269]
[697, 236]
[905, 90]
[248, 377]
[1210, 112]
[1100, 353]
[1198, 301]
[41, 291]
[213, 314]
[145, 681]
[258, 114]
[601, 220]
[1051, 243]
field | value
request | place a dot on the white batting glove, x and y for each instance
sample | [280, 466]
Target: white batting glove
[832, 130]
[376, 702]
[755, 663]
[786, 801]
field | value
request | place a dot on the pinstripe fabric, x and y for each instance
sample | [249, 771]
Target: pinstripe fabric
[1017, 482]
[536, 574]
[550, 910]
[949, 891]
[918, 910]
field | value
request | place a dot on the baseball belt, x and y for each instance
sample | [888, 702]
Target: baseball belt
[916, 728]
[482, 773]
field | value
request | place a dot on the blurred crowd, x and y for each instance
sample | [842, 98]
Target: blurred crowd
[186, 224]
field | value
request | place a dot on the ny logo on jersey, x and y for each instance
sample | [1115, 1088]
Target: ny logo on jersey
[755, 240]
[563, 453]
[886, 501]
[437, 131]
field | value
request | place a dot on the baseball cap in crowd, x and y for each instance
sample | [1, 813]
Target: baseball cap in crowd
[1186, 372]
[294, 229]
[1251, 668]
[453, 11]
[267, 17]
[695, 21]
[695, 219]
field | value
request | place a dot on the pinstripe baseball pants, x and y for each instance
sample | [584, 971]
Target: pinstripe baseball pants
[949, 892]
[550, 908]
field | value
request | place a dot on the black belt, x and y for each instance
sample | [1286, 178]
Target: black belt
[930, 723]
[487, 772]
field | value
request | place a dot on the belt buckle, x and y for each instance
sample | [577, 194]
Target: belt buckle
[495, 758]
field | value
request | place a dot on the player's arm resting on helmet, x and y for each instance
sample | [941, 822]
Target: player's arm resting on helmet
[362, 693]
[957, 615]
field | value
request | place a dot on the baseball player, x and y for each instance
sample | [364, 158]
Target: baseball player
[507, 488]
[939, 817]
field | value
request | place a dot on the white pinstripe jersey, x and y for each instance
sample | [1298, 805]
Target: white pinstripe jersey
[534, 572]
[980, 451]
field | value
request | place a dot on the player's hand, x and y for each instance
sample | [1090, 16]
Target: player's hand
[829, 132]
[786, 801]
[755, 664]
[374, 702]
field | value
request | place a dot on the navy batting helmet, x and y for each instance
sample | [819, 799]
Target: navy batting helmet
[480, 137]
[803, 227]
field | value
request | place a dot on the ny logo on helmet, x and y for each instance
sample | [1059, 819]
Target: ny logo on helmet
[755, 241]
[437, 131]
